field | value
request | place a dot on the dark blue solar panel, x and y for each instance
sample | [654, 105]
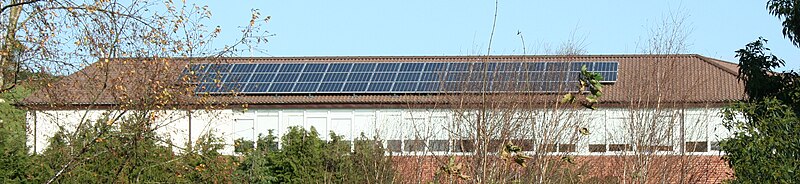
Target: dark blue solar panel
[198, 68]
[435, 67]
[237, 78]
[243, 68]
[504, 76]
[455, 86]
[573, 76]
[291, 68]
[213, 77]
[231, 87]
[479, 76]
[219, 68]
[408, 77]
[606, 66]
[554, 76]
[286, 77]
[388, 77]
[335, 77]
[281, 87]
[354, 87]
[405, 86]
[539, 66]
[413, 67]
[206, 88]
[330, 87]
[532, 76]
[340, 67]
[508, 66]
[431, 76]
[379, 87]
[306, 87]
[576, 66]
[457, 76]
[363, 67]
[256, 87]
[262, 77]
[267, 67]
[429, 86]
[396, 77]
[557, 66]
[387, 67]
[310, 77]
[503, 86]
[359, 77]
[480, 67]
[609, 76]
[316, 67]
[459, 67]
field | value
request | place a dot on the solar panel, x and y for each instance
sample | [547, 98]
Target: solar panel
[396, 77]
[330, 87]
[340, 67]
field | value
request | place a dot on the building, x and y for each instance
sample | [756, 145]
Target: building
[654, 103]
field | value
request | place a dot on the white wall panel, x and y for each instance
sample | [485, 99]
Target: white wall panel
[607, 126]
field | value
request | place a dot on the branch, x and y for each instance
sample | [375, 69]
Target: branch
[17, 4]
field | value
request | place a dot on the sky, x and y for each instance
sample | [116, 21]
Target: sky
[715, 28]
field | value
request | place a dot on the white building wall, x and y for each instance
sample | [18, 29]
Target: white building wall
[396, 126]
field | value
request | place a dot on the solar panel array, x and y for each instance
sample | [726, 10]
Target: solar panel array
[395, 77]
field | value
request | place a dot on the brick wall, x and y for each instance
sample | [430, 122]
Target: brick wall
[588, 169]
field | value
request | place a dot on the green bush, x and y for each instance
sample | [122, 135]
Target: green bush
[305, 158]
[14, 161]
[129, 153]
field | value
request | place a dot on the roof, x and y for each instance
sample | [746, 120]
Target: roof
[642, 79]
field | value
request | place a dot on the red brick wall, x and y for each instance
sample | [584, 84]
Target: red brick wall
[622, 169]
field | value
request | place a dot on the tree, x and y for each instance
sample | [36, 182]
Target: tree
[766, 130]
[14, 160]
[61, 36]
[789, 12]
[305, 158]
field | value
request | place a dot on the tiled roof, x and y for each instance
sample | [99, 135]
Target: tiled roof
[642, 79]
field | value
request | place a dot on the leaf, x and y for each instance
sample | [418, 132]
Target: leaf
[568, 159]
[520, 160]
[568, 98]
[597, 77]
[584, 131]
[589, 106]
[591, 99]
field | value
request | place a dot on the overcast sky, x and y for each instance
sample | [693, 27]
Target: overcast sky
[716, 28]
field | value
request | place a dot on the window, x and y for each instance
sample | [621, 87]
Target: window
[653, 148]
[620, 147]
[715, 146]
[696, 146]
[414, 145]
[464, 146]
[495, 145]
[547, 148]
[394, 145]
[439, 145]
[525, 144]
[566, 147]
[597, 148]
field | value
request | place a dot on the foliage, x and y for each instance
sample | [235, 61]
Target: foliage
[589, 82]
[305, 158]
[756, 70]
[127, 154]
[790, 13]
[764, 146]
[14, 160]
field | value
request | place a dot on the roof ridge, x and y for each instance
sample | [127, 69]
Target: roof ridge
[420, 57]
[714, 62]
